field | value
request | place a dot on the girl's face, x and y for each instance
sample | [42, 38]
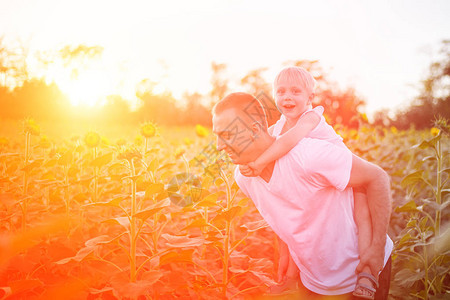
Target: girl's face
[292, 99]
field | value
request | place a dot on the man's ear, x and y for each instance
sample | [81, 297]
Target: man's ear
[256, 128]
[311, 98]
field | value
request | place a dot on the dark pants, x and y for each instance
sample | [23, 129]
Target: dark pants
[384, 281]
[382, 292]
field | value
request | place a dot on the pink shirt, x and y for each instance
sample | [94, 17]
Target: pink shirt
[308, 205]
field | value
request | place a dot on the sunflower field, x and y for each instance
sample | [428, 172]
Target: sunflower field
[154, 213]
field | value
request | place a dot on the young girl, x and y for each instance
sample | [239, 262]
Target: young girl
[294, 92]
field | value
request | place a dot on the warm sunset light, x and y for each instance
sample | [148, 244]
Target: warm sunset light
[89, 88]
[224, 149]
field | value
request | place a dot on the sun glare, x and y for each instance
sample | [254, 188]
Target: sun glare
[88, 89]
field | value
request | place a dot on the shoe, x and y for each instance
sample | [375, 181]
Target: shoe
[363, 290]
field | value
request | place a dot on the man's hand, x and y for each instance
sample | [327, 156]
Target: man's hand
[373, 258]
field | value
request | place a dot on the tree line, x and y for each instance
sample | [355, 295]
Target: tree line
[34, 97]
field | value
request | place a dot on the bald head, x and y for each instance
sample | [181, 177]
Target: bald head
[244, 105]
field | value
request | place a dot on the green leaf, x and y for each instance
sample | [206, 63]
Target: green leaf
[411, 223]
[162, 196]
[31, 166]
[24, 285]
[412, 179]
[51, 163]
[228, 215]
[425, 144]
[264, 278]
[153, 166]
[2, 155]
[5, 180]
[405, 239]
[436, 207]
[95, 291]
[431, 157]
[183, 241]
[256, 225]
[447, 170]
[113, 203]
[166, 166]
[102, 160]
[198, 223]
[408, 207]
[124, 221]
[81, 255]
[197, 193]
[176, 256]
[47, 182]
[423, 223]
[66, 158]
[133, 178]
[407, 277]
[101, 240]
[145, 214]
[151, 276]
[210, 200]
[117, 167]
[179, 199]
[154, 188]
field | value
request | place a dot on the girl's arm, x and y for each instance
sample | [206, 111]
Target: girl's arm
[286, 141]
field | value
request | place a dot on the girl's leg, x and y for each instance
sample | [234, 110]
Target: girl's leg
[364, 223]
[290, 279]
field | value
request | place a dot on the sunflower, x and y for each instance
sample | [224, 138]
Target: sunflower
[31, 127]
[201, 131]
[92, 139]
[148, 130]
[434, 131]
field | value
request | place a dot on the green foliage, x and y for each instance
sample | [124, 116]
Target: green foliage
[421, 260]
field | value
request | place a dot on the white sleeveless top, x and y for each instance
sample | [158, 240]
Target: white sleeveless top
[323, 130]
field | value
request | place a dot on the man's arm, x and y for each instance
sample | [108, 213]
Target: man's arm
[377, 185]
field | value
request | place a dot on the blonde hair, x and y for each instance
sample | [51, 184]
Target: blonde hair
[297, 75]
[247, 106]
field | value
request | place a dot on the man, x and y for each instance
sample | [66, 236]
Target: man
[306, 198]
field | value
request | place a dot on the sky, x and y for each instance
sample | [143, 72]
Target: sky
[380, 48]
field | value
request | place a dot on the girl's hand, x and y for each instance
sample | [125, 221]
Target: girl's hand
[256, 167]
[246, 170]
[252, 169]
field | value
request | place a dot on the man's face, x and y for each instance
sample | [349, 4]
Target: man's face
[234, 136]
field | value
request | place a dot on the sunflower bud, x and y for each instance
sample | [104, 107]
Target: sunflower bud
[44, 142]
[179, 151]
[434, 131]
[31, 127]
[92, 139]
[201, 131]
[139, 140]
[148, 130]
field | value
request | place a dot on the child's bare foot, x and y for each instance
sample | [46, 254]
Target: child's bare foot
[286, 285]
[366, 286]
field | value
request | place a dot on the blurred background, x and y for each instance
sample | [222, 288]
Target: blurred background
[106, 62]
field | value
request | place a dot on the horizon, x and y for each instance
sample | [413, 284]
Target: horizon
[384, 58]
